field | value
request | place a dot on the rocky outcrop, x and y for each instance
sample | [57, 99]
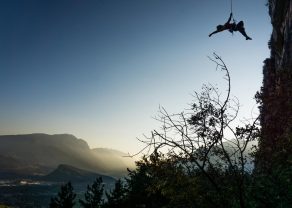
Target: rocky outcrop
[275, 145]
[281, 19]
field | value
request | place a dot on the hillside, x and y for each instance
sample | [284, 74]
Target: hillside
[66, 173]
[39, 154]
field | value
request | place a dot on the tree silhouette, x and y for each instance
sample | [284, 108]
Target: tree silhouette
[65, 197]
[116, 198]
[93, 195]
[207, 143]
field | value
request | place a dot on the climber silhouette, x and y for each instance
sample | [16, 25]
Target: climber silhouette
[231, 27]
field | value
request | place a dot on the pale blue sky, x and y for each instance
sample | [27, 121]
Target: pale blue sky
[100, 69]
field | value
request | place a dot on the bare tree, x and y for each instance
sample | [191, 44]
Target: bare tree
[206, 136]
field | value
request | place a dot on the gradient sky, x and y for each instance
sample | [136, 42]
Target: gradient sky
[100, 69]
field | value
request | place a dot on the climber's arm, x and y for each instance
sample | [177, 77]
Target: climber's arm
[228, 21]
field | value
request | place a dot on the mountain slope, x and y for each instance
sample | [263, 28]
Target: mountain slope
[42, 153]
[66, 173]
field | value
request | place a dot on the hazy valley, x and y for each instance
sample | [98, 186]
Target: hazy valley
[33, 166]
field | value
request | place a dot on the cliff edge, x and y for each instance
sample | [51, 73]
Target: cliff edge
[275, 145]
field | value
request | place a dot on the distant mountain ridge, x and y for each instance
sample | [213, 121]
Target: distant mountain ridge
[42, 153]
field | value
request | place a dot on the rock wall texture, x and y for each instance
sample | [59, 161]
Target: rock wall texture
[275, 146]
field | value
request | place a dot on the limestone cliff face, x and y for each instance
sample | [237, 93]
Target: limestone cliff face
[276, 96]
[281, 18]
